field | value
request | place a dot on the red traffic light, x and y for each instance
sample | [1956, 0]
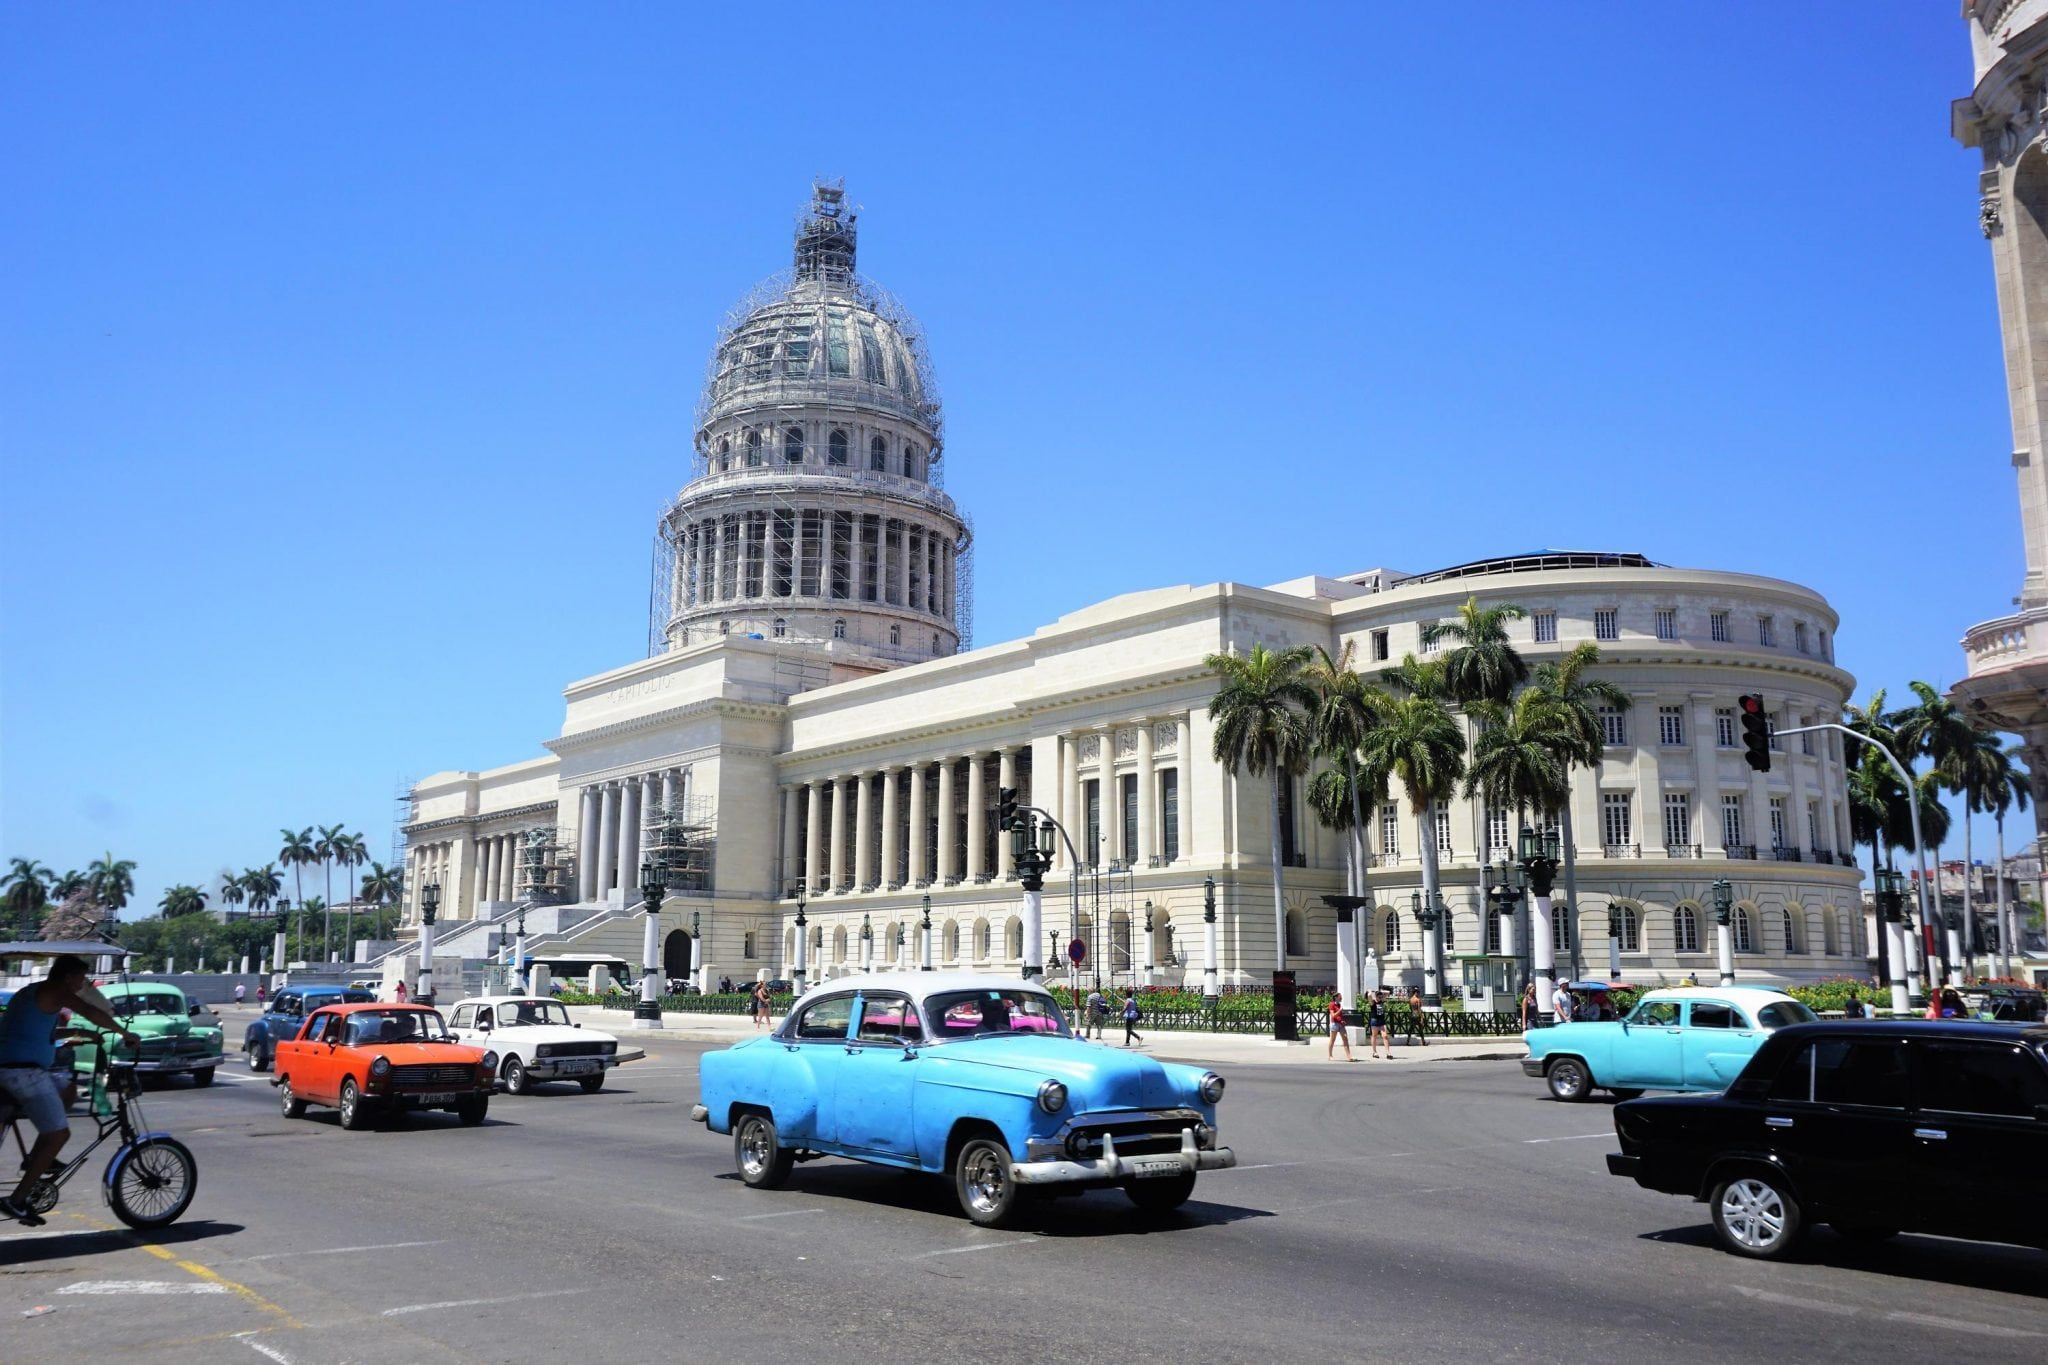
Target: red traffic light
[1756, 732]
[1751, 706]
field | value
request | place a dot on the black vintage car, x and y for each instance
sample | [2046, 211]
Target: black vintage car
[1872, 1128]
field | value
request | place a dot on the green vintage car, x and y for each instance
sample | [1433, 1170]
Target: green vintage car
[179, 1036]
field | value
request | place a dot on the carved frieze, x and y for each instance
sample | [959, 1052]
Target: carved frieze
[1126, 743]
[1091, 748]
[1165, 737]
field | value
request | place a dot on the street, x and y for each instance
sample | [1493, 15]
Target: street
[1433, 1211]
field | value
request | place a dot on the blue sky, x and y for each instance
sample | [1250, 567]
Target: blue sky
[346, 355]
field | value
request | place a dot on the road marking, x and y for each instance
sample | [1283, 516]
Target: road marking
[1575, 1137]
[201, 1272]
[474, 1303]
[341, 1251]
[985, 1246]
[786, 1213]
[1794, 1301]
[249, 1340]
[1983, 1329]
[142, 1287]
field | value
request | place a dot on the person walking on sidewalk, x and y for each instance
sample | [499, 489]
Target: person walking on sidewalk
[1132, 1014]
[1528, 1005]
[1376, 1026]
[1415, 1016]
[761, 1004]
[1095, 1014]
[1337, 1029]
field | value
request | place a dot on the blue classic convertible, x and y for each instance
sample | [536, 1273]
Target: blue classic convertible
[1694, 1038]
[963, 1076]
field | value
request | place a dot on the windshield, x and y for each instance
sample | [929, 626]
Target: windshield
[532, 1012]
[155, 1002]
[1779, 1013]
[979, 1014]
[371, 1027]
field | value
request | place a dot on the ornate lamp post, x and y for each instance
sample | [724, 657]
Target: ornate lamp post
[896, 958]
[1209, 984]
[803, 938]
[430, 906]
[1724, 930]
[647, 1009]
[519, 949]
[1613, 941]
[1890, 906]
[700, 961]
[1146, 959]
[867, 944]
[277, 946]
[1429, 918]
[1507, 891]
[1538, 861]
[1031, 850]
[926, 926]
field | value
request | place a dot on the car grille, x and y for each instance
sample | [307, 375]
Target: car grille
[553, 1050]
[428, 1077]
[1143, 1135]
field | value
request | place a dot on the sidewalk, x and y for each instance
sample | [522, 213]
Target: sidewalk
[1213, 1048]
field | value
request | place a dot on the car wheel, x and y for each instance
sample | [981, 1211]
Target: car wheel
[1569, 1080]
[1858, 1232]
[591, 1084]
[515, 1077]
[1756, 1215]
[984, 1183]
[1160, 1196]
[350, 1105]
[292, 1106]
[259, 1060]
[1627, 1094]
[758, 1152]
[472, 1112]
[203, 1076]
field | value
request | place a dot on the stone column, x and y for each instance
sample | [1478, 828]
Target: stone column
[1006, 776]
[671, 785]
[1706, 769]
[918, 860]
[787, 870]
[1184, 756]
[796, 552]
[485, 850]
[629, 838]
[903, 564]
[814, 843]
[1148, 847]
[504, 867]
[883, 565]
[838, 854]
[1071, 814]
[1798, 762]
[586, 847]
[1111, 805]
[863, 825]
[947, 870]
[890, 846]
[977, 819]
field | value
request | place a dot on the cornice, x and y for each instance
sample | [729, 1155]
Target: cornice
[482, 817]
[655, 720]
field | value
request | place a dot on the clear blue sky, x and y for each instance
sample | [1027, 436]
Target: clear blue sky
[347, 353]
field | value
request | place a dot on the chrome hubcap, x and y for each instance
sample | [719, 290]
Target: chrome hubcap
[1754, 1213]
[754, 1147]
[284, 1095]
[348, 1103]
[1567, 1082]
[986, 1180]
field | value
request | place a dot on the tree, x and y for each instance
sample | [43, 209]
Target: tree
[298, 851]
[111, 881]
[232, 892]
[351, 852]
[1261, 717]
[78, 916]
[65, 885]
[1418, 744]
[2007, 788]
[1936, 728]
[333, 839]
[1518, 761]
[261, 885]
[181, 900]
[1346, 707]
[383, 885]
[25, 891]
[1484, 666]
[1567, 683]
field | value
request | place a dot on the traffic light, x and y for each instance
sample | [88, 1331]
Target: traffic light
[1006, 807]
[1756, 733]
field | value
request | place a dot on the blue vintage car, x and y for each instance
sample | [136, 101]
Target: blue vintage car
[287, 1010]
[1695, 1038]
[964, 1076]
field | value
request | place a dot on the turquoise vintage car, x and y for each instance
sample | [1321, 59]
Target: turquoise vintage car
[966, 1076]
[1695, 1038]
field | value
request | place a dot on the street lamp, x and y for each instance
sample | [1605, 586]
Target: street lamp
[1209, 986]
[1890, 897]
[1538, 861]
[430, 906]
[1032, 857]
[519, 949]
[647, 1010]
[867, 944]
[1429, 917]
[926, 925]
[1724, 929]
[1149, 956]
[277, 949]
[803, 938]
[1613, 941]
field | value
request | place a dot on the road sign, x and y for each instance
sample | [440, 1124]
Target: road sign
[1077, 952]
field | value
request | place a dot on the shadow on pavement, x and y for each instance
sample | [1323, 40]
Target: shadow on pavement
[89, 1243]
[1937, 1260]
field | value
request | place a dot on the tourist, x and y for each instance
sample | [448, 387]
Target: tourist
[1095, 1014]
[400, 993]
[1528, 1005]
[1132, 1014]
[261, 994]
[1337, 1029]
[1852, 1008]
[1561, 1004]
[761, 1004]
[1415, 1008]
[1376, 1026]
[239, 990]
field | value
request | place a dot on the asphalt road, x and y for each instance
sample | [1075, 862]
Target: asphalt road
[1426, 1212]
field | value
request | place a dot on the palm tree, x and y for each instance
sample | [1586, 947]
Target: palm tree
[1346, 707]
[351, 852]
[329, 846]
[2006, 788]
[261, 885]
[65, 885]
[1484, 666]
[111, 880]
[26, 892]
[231, 890]
[298, 851]
[1417, 743]
[1579, 697]
[1261, 717]
[1937, 728]
[181, 900]
[383, 886]
[1517, 762]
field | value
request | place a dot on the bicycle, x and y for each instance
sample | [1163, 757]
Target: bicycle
[149, 1181]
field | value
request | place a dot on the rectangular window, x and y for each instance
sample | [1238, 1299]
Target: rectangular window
[1290, 853]
[758, 360]
[1379, 646]
[1430, 646]
[1806, 744]
[870, 355]
[1677, 820]
[1799, 636]
[1492, 931]
[1443, 831]
[1546, 627]
[1606, 624]
[1671, 725]
[1813, 826]
[1766, 633]
[1613, 726]
[1169, 812]
[1717, 627]
[1724, 726]
[1824, 648]
[1667, 623]
[1775, 719]
[1128, 801]
[1731, 822]
[1091, 806]
[1497, 832]
[1777, 822]
[1979, 1078]
[1872, 1074]
[1616, 827]
[796, 354]
[1390, 830]
[838, 357]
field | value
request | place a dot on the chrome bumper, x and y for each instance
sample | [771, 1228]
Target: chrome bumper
[160, 1065]
[699, 1114]
[1111, 1166]
[1533, 1066]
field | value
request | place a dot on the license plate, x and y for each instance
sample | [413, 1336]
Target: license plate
[1142, 1168]
[582, 1067]
[438, 1097]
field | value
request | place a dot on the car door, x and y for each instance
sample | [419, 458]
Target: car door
[1646, 1055]
[1837, 1117]
[283, 1018]
[876, 1081]
[462, 1023]
[801, 1093]
[1717, 1043]
[1979, 1148]
[322, 1064]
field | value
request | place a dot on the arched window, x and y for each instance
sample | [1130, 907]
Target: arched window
[1795, 928]
[839, 628]
[753, 449]
[890, 952]
[789, 945]
[839, 944]
[1297, 934]
[835, 447]
[725, 627]
[1390, 932]
[1120, 941]
[1830, 933]
[1631, 928]
[895, 635]
[1013, 938]
[878, 454]
[1561, 928]
[724, 453]
[913, 463]
[1685, 924]
[793, 445]
[952, 937]
[1745, 932]
[981, 940]
[1492, 931]
[935, 642]
[747, 944]
[781, 627]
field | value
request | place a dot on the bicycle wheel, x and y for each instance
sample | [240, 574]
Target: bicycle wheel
[154, 1184]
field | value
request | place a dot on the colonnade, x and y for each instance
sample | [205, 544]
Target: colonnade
[470, 870]
[612, 832]
[784, 552]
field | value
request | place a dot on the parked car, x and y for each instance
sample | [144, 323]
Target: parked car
[536, 1041]
[367, 1058]
[1873, 1128]
[2011, 1004]
[179, 1036]
[1694, 1038]
[959, 1075]
[286, 1013]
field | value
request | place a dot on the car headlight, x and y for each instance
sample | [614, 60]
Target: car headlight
[608, 1048]
[1210, 1088]
[380, 1067]
[490, 1063]
[1052, 1097]
[544, 1050]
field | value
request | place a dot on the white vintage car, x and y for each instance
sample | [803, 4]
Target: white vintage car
[535, 1041]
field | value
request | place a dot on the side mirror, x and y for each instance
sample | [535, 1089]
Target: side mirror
[484, 1026]
[193, 1012]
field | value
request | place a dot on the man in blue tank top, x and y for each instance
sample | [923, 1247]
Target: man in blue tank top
[28, 1049]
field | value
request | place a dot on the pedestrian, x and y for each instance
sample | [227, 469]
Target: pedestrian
[1561, 1004]
[1415, 1016]
[1132, 1014]
[1692, 978]
[1376, 1031]
[1095, 1013]
[761, 1003]
[1528, 1005]
[1852, 1008]
[400, 993]
[239, 989]
[260, 993]
[1337, 1029]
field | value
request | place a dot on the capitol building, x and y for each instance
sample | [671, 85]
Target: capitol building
[815, 719]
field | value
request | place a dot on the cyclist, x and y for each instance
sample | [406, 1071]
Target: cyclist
[28, 1049]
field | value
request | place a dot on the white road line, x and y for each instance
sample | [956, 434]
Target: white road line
[1843, 1310]
[340, 1251]
[985, 1246]
[144, 1287]
[1793, 1301]
[249, 1340]
[46, 1232]
[475, 1303]
[1982, 1329]
[786, 1213]
[1575, 1137]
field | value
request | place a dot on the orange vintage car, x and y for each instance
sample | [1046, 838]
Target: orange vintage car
[367, 1058]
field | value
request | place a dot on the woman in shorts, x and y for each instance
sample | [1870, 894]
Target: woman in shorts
[1377, 1031]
